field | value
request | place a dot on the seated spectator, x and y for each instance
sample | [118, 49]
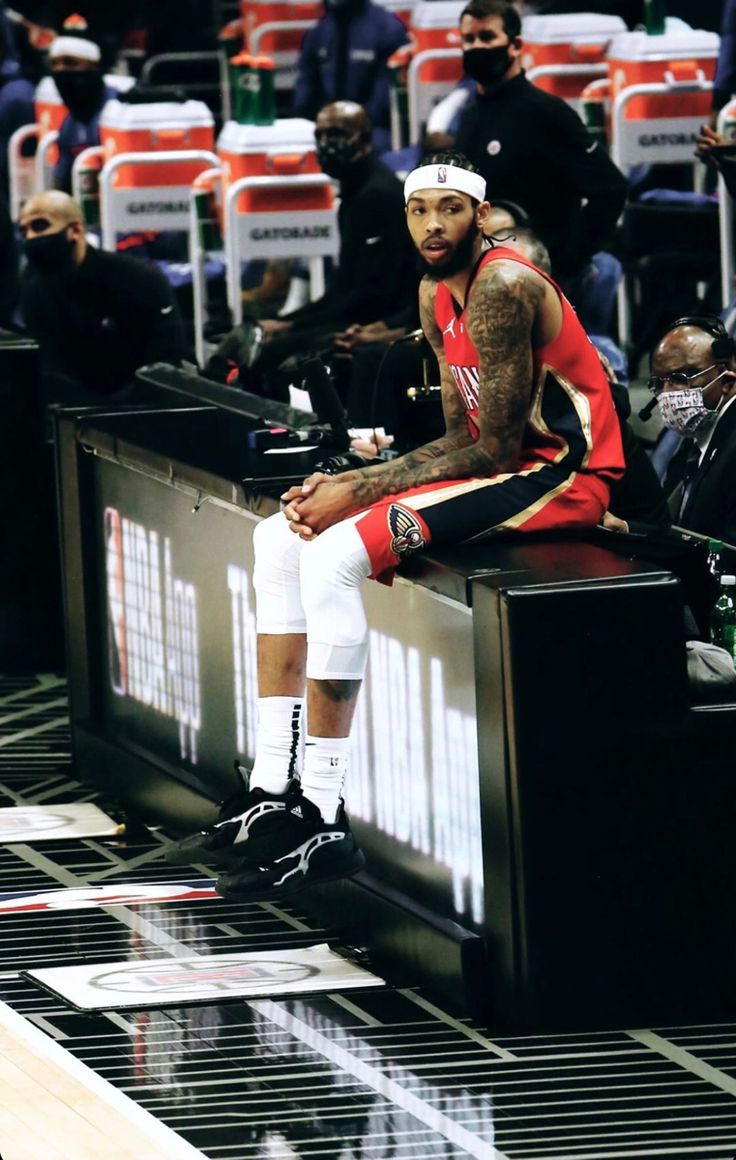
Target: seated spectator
[16, 94]
[76, 66]
[693, 380]
[96, 316]
[375, 274]
[345, 58]
[8, 268]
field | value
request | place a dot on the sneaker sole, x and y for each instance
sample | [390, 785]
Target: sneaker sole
[292, 886]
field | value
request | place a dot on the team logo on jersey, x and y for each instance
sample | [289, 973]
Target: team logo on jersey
[406, 531]
[441, 175]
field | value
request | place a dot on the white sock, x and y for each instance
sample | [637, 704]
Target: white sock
[323, 776]
[277, 742]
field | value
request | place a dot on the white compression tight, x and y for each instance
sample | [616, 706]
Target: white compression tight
[313, 587]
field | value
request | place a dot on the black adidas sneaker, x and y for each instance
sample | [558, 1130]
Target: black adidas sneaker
[246, 821]
[303, 849]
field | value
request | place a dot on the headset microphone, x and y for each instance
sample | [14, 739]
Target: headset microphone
[646, 412]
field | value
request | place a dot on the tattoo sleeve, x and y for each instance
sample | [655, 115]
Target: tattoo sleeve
[500, 315]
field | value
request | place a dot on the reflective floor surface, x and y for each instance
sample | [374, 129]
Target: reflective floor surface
[359, 1075]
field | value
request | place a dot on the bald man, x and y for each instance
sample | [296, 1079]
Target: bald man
[97, 317]
[375, 275]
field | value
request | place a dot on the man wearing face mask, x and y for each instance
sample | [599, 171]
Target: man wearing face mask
[76, 66]
[693, 382]
[96, 316]
[345, 58]
[375, 274]
[532, 148]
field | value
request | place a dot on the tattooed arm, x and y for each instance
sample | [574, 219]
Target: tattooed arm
[501, 314]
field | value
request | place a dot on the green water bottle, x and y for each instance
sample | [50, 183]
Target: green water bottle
[244, 83]
[264, 101]
[655, 17]
[723, 617]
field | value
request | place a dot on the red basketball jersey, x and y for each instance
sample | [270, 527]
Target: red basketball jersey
[571, 415]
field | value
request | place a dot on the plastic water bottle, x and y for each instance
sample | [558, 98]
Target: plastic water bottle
[723, 617]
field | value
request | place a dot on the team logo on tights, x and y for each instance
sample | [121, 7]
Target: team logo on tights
[406, 531]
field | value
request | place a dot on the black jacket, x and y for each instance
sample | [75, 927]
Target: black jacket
[532, 148]
[710, 507]
[100, 321]
[376, 274]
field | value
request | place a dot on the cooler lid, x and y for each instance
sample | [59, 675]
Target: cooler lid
[119, 83]
[674, 44]
[292, 132]
[298, 9]
[573, 27]
[156, 115]
[437, 13]
[47, 92]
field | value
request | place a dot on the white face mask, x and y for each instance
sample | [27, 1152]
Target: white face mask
[685, 412]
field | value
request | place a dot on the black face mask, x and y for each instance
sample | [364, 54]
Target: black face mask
[335, 158]
[51, 253]
[487, 65]
[83, 91]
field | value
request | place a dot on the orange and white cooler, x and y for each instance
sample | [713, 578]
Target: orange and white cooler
[680, 55]
[49, 108]
[157, 127]
[278, 203]
[276, 28]
[401, 8]
[284, 149]
[435, 24]
[556, 43]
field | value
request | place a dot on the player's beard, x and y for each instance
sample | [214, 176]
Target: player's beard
[457, 260]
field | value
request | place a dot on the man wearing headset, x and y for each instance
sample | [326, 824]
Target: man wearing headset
[693, 382]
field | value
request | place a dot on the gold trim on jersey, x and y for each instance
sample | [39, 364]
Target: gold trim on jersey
[581, 406]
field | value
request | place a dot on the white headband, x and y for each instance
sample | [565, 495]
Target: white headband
[75, 46]
[445, 177]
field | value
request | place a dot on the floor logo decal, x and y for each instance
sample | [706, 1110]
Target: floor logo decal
[86, 897]
[162, 982]
[67, 820]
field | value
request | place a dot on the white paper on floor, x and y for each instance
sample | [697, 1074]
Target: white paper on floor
[204, 979]
[62, 820]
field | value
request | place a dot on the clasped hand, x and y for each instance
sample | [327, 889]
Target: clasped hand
[318, 503]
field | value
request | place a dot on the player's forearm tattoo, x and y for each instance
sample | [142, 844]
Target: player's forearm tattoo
[499, 319]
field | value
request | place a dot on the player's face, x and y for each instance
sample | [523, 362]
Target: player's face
[444, 229]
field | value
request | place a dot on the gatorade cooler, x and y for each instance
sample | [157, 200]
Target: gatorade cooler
[285, 148]
[580, 38]
[49, 108]
[282, 44]
[435, 24]
[684, 54]
[169, 125]
[401, 8]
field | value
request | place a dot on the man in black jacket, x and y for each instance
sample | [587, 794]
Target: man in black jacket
[375, 275]
[532, 148]
[97, 317]
[694, 382]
